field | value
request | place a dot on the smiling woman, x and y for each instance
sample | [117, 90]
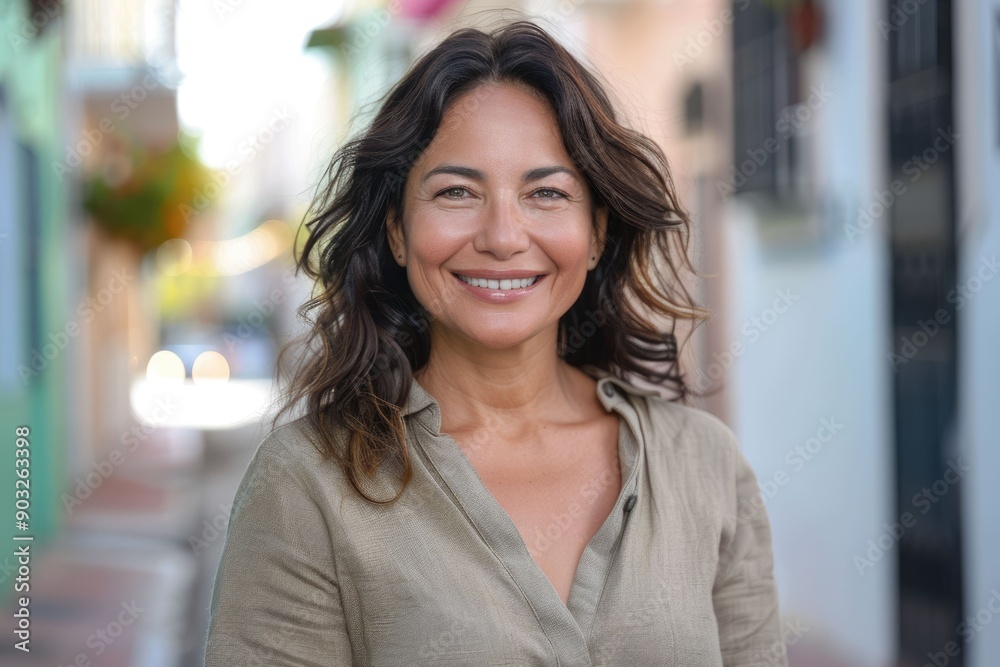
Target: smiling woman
[476, 480]
[487, 214]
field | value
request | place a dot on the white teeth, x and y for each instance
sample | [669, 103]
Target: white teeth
[506, 284]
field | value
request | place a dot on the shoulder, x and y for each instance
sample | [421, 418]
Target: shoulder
[689, 437]
[692, 452]
[675, 428]
[294, 439]
[298, 455]
[291, 451]
[688, 422]
[289, 481]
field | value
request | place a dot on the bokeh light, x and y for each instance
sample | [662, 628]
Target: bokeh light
[165, 366]
[173, 257]
[210, 367]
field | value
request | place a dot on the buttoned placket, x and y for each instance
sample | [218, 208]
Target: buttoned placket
[565, 625]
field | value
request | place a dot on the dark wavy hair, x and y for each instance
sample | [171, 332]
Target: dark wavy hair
[368, 334]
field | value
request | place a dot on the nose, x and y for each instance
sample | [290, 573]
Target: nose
[502, 231]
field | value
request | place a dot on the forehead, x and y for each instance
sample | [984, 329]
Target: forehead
[512, 124]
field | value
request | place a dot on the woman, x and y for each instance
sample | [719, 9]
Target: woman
[474, 481]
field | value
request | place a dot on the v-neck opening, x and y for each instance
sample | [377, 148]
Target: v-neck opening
[501, 535]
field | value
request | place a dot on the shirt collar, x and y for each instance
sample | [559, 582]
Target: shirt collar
[610, 391]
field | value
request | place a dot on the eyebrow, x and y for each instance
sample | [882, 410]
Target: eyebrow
[478, 175]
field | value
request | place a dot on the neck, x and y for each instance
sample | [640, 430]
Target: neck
[510, 390]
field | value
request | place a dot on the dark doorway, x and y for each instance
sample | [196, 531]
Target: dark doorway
[925, 310]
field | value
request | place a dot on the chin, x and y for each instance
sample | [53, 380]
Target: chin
[498, 340]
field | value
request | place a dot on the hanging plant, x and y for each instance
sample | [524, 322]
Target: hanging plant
[140, 196]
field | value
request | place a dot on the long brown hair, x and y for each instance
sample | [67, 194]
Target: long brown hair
[368, 334]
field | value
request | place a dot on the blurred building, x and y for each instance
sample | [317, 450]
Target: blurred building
[108, 511]
[120, 90]
[854, 207]
[37, 270]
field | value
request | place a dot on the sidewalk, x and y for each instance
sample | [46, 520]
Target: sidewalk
[127, 582]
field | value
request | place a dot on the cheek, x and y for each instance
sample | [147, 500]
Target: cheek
[431, 244]
[566, 244]
[435, 239]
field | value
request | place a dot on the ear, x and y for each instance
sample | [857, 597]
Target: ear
[599, 237]
[394, 235]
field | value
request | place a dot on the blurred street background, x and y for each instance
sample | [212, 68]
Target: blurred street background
[841, 160]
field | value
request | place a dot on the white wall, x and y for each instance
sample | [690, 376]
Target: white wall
[824, 358]
[978, 152]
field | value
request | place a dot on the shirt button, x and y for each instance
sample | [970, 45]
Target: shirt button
[609, 389]
[630, 503]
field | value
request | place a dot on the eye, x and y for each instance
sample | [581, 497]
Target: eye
[549, 193]
[448, 192]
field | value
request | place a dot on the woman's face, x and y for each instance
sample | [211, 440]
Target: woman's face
[495, 196]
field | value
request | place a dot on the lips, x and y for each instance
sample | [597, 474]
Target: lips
[502, 284]
[497, 290]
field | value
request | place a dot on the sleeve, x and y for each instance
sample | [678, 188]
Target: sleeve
[276, 599]
[745, 594]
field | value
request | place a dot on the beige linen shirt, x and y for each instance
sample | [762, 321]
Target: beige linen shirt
[680, 574]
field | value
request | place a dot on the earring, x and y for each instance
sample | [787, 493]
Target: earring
[400, 256]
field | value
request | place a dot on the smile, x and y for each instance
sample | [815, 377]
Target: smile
[503, 285]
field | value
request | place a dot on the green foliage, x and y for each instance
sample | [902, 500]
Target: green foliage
[141, 196]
